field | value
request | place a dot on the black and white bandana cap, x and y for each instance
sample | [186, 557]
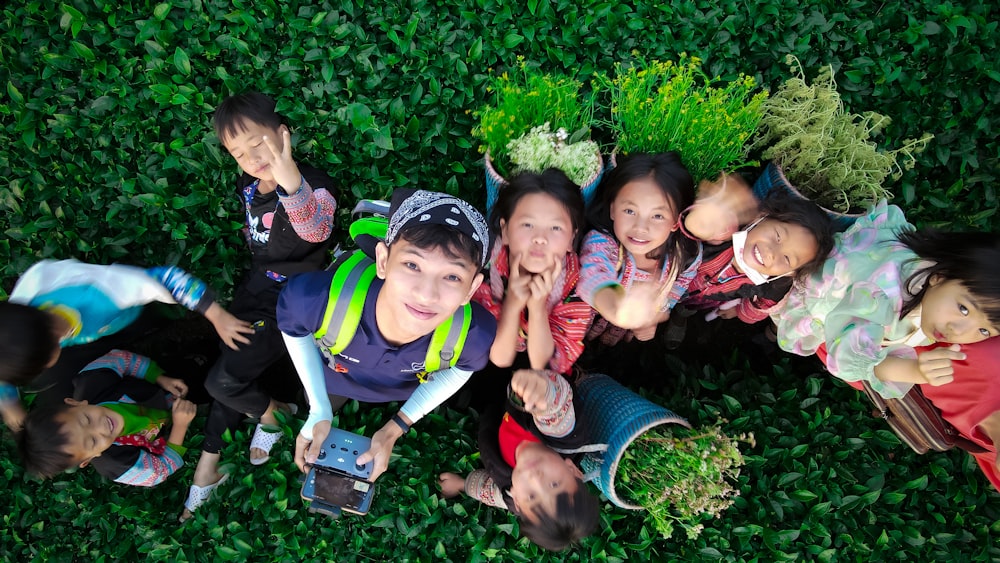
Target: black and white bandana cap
[415, 207]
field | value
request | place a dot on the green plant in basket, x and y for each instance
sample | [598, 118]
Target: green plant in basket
[527, 98]
[666, 106]
[681, 476]
[826, 152]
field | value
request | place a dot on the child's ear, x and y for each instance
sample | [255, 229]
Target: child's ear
[576, 470]
[74, 402]
[476, 281]
[503, 231]
[934, 279]
[381, 259]
[87, 461]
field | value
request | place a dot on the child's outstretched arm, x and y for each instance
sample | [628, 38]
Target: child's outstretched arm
[478, 485]
[130, 364]
[195, 295]
[310, 211]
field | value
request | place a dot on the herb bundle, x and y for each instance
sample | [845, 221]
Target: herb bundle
[825, 151]
[680, 475]
[540, 149]
[666, 106]
[527, 99]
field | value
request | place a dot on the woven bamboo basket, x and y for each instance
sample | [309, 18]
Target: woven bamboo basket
[615, 416]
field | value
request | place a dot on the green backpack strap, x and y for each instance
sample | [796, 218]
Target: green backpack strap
[448, 340]
[348, 291]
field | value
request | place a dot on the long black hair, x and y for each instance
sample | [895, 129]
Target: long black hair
[668, 173]
[970, 258]
[551, 182]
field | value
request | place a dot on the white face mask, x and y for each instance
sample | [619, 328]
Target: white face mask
[739, 243]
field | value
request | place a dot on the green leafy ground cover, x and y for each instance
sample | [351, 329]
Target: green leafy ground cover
[107, 154]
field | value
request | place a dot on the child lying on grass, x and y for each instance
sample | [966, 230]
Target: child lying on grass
[523, 472]
[122, 402]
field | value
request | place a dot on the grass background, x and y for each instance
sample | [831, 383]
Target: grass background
[108, 155]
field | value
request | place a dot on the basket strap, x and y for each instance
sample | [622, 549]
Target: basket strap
[589, 448]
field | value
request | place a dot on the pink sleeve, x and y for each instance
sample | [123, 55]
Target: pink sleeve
[310, 212]
[598, 265]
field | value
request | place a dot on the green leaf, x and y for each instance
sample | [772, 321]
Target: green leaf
[82, 51]
[804, 495]
[161, 10]
[182, 62]
[14, 94]
[512, 40]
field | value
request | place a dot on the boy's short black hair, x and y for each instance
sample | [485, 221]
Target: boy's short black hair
[576, 517]
[42, 442]
[232, 114]
[454, 243]
[29, 341]
[787, 208]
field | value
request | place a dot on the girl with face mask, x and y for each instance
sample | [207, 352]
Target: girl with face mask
[749, 275]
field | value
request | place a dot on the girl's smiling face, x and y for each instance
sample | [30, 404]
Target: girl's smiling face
[950, 313]
[539, 230]
[643, 217]
[775, 248]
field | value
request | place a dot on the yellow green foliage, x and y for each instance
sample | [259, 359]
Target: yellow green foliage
[667, 106]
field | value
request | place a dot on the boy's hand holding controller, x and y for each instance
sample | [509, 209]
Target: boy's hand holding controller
[283, 169]
[306, 450]
[230, 329]
[172, 385]
[182, 415]
[381, 449]
[534, 388]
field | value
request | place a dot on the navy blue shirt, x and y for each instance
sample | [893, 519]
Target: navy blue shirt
[371, 369]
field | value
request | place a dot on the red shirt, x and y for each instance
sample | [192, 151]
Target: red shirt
[511, 436]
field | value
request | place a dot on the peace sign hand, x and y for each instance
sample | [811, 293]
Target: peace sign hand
[283, 168]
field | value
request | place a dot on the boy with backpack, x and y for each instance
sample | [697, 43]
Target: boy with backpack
[411, 335]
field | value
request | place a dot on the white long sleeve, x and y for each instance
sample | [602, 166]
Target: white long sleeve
[309, 364]
[440, 385]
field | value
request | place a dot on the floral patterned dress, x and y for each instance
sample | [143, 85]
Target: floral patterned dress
[851, 306]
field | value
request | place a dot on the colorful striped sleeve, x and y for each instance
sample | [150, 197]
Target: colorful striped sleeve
[150, 469]
[127, 364]
[480, 486]
[310, 212]
[186, 289]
